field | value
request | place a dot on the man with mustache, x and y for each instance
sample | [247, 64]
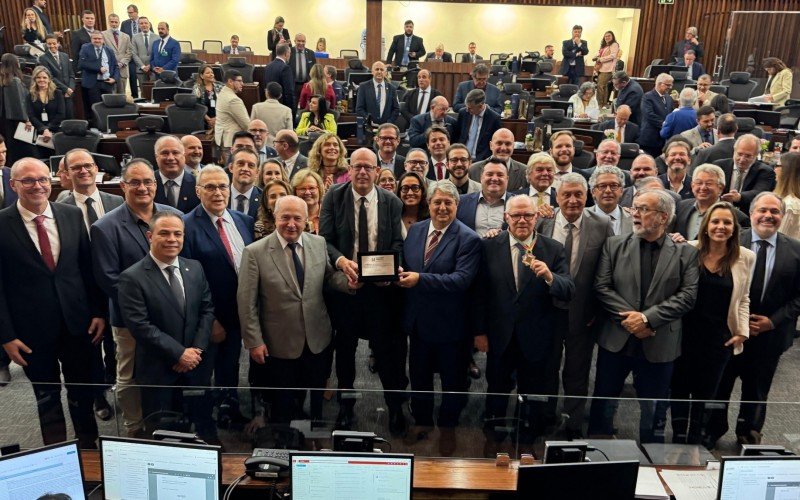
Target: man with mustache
[677, 155]
[458, 164]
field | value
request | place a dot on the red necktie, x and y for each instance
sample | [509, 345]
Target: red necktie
[432, 246]
[225, 242]
[439, 171]
[116, 39]
[44, 243]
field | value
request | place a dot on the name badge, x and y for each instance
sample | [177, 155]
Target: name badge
[164, 53]
[44, 116]
[212, 103]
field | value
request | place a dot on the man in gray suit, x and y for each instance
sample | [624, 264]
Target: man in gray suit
[140, 50]
[646, 283]
[582, 232]
[57, 63]
[285, 323]
[120, 43]
[606, 183]
[502, 146]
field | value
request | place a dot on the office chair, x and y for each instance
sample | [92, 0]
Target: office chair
[186, 46]
[212, 46]
[747, 125]
[185, 72]
[348, 54]
[240, 64]
[790, 112]
[75, 134]
[740, 86]
[142, 145]
[582, 159]
[564, 92]
[679, 80]
[629, 152]
[168, 79]
[186, 116]
[112, 104]
[555, 118]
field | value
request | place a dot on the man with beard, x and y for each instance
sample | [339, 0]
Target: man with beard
[438, 140]
[745, 174]
[193, 153]
[483, 211]
[417, 162]
[677, 155]
[502, 146]
[458, 163]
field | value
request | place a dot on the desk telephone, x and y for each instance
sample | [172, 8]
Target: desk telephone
[267, 463]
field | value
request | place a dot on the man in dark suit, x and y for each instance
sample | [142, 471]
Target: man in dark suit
[483, 211]
[645, 283]
[745, 174]
[130, 27]
[51, 310]
[301, 61]
[245, 196]
[406, 47]
[377, 98]
[583, 234]
[625, 130]
[165, 54]
[479, 80]
[118, 242]
[471, 56]
[573, 51]
[420, 100]
[216, 236]
[38, 7]
[387, 139]
[540, 174]
[440, 260]
[417, 132]
[61, 72]
[642, 166]
[175, 185]
[502, 146]
[99, 73]
[708, 181]
[476, 124]
[690, 42]
[80, 37]
[656, 105]
[9, 195]
[287, 145]
[629, 93]
[694, 69]
[514, 315]
[439, 55]
[677, 178]
[358, 216]
[233, 48]
[280, 72]
[774, 307]
[723, 149]
[166, 304]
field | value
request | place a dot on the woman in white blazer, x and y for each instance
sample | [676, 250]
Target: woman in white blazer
[717, 326]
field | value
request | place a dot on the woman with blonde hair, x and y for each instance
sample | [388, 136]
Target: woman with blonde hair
[272, 168]
[308, 185]
[33, 31]
[327, 159]
[45, 105]
[316, 85]
[322, 49]
[278, 34]
[265, 220]
[788, 188]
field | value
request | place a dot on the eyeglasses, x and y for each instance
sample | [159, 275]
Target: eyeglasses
[387, 139]
[31, 181]
[603, 187]
[414, 188]
[421, 163]
[136, 183]
[78, 168]
[210, 188]
[707, 184]
[516, 217]
[365, 168]
[644, 210]
[456, 161]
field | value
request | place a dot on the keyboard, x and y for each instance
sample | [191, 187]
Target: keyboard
[272, 453]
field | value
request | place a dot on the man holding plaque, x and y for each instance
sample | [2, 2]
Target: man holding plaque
[441, 256]
[359, 218]
[514, 320]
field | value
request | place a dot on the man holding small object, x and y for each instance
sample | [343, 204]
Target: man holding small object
[99, 73]
[165, 53]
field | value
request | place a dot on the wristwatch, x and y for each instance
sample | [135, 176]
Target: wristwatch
[644, 319]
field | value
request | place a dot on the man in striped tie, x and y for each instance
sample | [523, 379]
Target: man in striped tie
[441, 258]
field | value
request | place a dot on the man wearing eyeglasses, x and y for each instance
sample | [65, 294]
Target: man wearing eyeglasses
[645, 283]
[606, 183]
[745, 174]
[458, 163]
[50, 306]
[417, 162]
[386, 141]
[287, 145]
[260, 133]
[245, 195]
[119, 240]
[357, 216]
[216, 236]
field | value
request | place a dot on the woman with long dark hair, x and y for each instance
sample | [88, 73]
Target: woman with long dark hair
[206, 89]
[316, 119]
[605, 62]
[12, 108]
[411, 191]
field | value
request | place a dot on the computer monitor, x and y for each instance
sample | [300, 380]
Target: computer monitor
[662, 68]
[345, 476]
[107, 164]
[540, 84]
[54, 161]
[358, 78]
[745, 478]
[162, 94]
[113, 122]
[529, 67]
[137, 469]
[595, 480]
[53, 469]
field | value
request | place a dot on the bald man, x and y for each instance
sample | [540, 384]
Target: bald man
[173, 186]
[624, 129]
[502, 146]
[193, 153]
[418, 101]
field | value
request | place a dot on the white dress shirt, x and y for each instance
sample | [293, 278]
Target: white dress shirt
[515, 253]
[423, 101]
[489, 216]
[234, 238]
[559, 174]
[166, 274]
[80, 200]
[560, 235]
[615, 216]
[288, 164]
[288, 253]
[49, 225]
[372, 220]
[545, 195]
[383, 95]
[235, 198]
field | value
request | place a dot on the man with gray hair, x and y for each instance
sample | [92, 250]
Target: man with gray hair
[656, 105]
[708, 182]
[441, 256]
[476, 124]
[437, 115]
[690, 42]
[606, 184]
[646, 283]
[682, 119]
[480, 80]
[745, 174]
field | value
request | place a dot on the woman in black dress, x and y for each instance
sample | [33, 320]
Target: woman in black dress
[45, 107]
[717, 326]
[12, 108]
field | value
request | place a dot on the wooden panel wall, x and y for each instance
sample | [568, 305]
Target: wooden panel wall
[64, 14]
[756, 35]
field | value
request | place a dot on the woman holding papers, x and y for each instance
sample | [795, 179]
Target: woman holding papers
[45, 108]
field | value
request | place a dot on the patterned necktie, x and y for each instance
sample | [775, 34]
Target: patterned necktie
[432, 246]
[225, 241]
[520, 265]
[175, 286]
[299, 271]
[116, 39]
[240, 203]
[44, 243]
[172, 193]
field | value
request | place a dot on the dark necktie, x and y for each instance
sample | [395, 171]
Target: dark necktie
[378, 97]
[759, 276]
[432, 246]
[225, 241]
[161, 46]
[175, 286]
[44, 243]
[363, 228]
[646, 270]
[91, 213]
[520, 265]
[298, 266]
[172, 193]
[568, 245]
[240, 203]
[421, 101]
[146, 40]
[116, 39]
[706, 136]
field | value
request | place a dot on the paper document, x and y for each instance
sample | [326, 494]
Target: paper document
[25, 135]
[49, 144]
[691, 484]
[758, 99]
[649, 486]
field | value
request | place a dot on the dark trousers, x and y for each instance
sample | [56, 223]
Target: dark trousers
[173, 408]
[373, 313]
[696, 376]
[572, 75]
[69, 108]
[756, 367]
[134, 83]
[224, 360]
[74, 354]
[450, 360]
[505, 368]
[104, 362]
[651, 381]
[94, 95]
[16, 149]
[577, 350]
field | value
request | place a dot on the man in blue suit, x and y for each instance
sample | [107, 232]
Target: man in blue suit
[480, 80]
[216, 237]
[656, 105]
[694, 69]
[441, 257]
[422, 122]
[8, 195]
[476, 124]
[175, 184]
[682, 119]
[165, 53]
[483, 211]
[279, 71]
[100, 72]
[377, 98]
[514, 316]
[245, 196]
[573, 51]
[629, 93]
[118, 240]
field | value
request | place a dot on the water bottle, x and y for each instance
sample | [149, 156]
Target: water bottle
[360, 129]
[514, 106]
[569, 111]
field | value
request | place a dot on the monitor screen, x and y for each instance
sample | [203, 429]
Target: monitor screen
[135, 469]
[53, 469]
[595, 480]
[358, 78]
[746, 478]
[345, 476]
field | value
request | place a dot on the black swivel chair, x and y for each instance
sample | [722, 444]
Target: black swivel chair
[564, 92]
[628, 152]
[168, 79]
[790, 114]
[240, 64]
[679, 80]
[582, 159]
[142, 145]
[747, 125]
[112, 104]
[510, 89]
[740, 86]
[75, 134]
[186, 115]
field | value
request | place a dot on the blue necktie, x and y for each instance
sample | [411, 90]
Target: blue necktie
[472, 138]
[378, 99]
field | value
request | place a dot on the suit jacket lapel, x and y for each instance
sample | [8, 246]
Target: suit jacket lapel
[447, 239]
[65, 233]
[634, 258]
[243, 230]
[210, 230]
[132, 228]
[584, 235]
[21, 232]
[548, 226]
[191, 285]
[350, 216]
[504, 262]
[276, 253]
[384, 221]
[780, 258]
[156, 277]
